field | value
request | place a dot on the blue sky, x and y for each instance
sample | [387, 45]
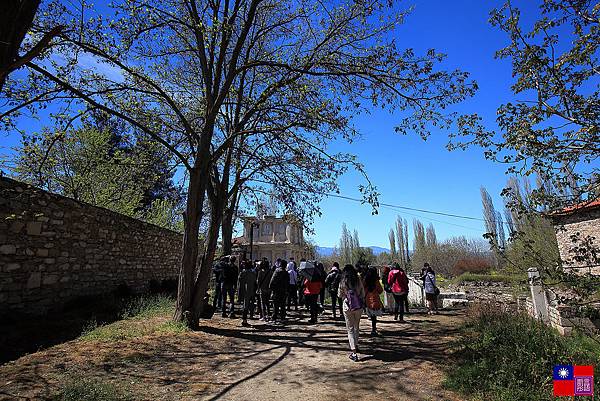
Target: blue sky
[407, 170]
[423, 174]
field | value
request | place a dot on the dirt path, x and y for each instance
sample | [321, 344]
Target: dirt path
[265, 362]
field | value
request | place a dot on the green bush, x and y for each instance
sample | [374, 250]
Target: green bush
[492, 277]
[509, 356]
[88, 389]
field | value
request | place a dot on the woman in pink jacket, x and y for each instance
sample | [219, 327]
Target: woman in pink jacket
[398, 281]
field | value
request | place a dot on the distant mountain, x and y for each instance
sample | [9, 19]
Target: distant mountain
[325, 251]
[378, 250]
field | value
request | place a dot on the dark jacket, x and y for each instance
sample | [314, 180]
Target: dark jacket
[247, 286]
[280, 281]
[229, 275]
[322, 275]
[218, 271]
[332, 281]
[264, 280]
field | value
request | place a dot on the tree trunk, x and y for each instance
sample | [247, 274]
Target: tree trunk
[227, 224]
[218, 199]
[210, 249]
[227, 231]
[189, 257]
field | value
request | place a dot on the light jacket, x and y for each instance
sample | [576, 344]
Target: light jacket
[293, 274]
[429, 281]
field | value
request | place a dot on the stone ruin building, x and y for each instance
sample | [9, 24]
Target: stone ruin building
[272, 238]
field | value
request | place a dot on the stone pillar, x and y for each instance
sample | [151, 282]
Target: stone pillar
[538, 295]
[288, 232]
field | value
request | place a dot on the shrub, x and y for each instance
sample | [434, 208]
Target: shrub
[504, 355]
[88, 389]
[147, 306]
[491, 277]
[471, 265]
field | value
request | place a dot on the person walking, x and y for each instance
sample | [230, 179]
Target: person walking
[312, 289]
[247, 290]
[398, 282]
[373, 290]
[279, 286]
[332, 282]
[229, 282]
[300, 287]
[389, 299]
[431, 290]
[292, 288]
[264, 292]
[218, 273]
[322, 276]
[352, 292]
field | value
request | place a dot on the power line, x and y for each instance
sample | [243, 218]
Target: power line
[404, 208]
[409, 208]
[436, 220]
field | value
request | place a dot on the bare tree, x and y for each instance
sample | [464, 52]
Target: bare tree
[392, 238]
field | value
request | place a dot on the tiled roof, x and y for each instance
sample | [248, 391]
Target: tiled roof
[580, 207]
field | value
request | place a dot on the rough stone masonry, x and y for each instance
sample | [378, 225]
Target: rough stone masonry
[54, 249]
[578, 237]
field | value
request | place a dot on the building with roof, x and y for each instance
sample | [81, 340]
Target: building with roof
[578, 235]
[272, 238]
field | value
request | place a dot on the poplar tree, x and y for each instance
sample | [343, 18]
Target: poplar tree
[392, 238]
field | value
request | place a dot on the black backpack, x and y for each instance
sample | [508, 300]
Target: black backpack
[333, 280]
[229, 273]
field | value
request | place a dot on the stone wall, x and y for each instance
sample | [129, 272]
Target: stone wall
[572, 232]
[545, 305]
[54, 249]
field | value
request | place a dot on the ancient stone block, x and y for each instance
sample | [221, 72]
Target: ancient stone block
[34, 281]
[8, 249]
[12, 266]
[50, 279]
[34, 228]
[16, 226]
[42, 252]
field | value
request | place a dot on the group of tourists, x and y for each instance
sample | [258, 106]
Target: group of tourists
[274, 290]
[270, 290]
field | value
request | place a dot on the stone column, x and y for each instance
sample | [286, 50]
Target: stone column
[288, 232]
[538, 295]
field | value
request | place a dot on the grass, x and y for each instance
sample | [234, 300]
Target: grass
[88, 389]
[504, 356]
[141, 316]
[489, 277]
[147, 306]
